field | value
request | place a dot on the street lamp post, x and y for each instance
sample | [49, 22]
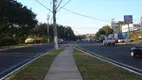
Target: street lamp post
[141, 27]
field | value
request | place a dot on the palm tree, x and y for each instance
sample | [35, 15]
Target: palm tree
[120, 24]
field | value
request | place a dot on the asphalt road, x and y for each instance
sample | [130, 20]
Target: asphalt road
[13, 58]
[120, 53]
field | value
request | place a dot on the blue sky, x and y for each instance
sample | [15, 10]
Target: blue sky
[101, 9]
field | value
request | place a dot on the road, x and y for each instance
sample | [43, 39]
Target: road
[18, 57]
[11, 59]
[120, 53]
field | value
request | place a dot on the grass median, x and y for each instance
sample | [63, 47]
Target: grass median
[94, 69]
[15, 46]
[37, 69]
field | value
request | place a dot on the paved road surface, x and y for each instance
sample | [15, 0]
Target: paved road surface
[10, 58]
[120, 53]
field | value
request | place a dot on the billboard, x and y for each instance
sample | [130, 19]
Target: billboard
[128, 19]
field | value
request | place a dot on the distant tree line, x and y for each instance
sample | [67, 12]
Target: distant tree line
[17, 22]
[64, 32]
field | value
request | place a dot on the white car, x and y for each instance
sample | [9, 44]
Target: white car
[126, 40]
[120, 40]
[129, 40]
[109, 41]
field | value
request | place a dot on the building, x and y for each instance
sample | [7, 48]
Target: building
[89, 37]
[116, 28]
[134, 30]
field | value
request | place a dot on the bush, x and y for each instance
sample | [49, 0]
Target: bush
[8, 41]
[135, 35]
[44, 39]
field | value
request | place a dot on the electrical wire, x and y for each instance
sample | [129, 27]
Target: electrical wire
[72, 11]
[63, 5]
[85, 15]
[59, 4]
[43, 5]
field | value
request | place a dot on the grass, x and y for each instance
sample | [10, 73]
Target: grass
[37, 69]
[15, 46]
[94, 69]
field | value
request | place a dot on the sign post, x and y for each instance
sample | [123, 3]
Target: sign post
[128, 19]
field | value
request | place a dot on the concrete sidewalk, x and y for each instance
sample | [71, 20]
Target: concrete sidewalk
[64, 67]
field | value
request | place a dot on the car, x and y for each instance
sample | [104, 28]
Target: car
[136, 50]
[120, 40]
[129, 40]
[29, 41]
[109, 41]
[98, 40]
[60, 41]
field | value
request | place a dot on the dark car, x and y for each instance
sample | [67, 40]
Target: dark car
[137, 50]
[98, 40]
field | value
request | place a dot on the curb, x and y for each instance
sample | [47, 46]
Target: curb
[113, 62]
[30, 61]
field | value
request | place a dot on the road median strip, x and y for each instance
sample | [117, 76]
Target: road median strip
[37, 69]
[94, 69]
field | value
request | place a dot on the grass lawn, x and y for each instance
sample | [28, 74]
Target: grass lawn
[37, 69]
[94, 69]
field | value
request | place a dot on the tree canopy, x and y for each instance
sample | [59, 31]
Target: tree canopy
[15, 19]
[64, 32]
[105, 30]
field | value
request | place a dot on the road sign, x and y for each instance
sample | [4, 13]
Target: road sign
[128, 19]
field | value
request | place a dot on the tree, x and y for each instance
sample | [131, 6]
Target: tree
[105, 30]
[62, 31]
[15, 19]
[120, 24]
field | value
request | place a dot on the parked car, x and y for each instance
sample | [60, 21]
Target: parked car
[136, 50]
[109, 41]
[29, 41]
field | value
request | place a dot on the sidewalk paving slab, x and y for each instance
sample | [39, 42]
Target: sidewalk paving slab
[64, 67]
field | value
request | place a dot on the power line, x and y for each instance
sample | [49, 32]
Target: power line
[72, 11]
[59, 4]
[64, 5]
[85, 15]
[43, 5]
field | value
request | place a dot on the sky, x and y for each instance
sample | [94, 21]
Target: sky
[100, 9]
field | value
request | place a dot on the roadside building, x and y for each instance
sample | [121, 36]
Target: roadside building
[134, 31]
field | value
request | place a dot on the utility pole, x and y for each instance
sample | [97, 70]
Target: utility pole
[48, 27]
[141, 27]
[128, 31]
[54, 24]
[112, 21]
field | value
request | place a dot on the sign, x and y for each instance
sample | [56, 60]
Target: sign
[128, 19]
